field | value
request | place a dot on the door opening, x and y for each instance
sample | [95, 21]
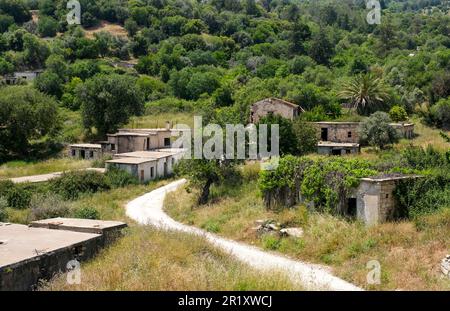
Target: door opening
[336, 152]
[352, 207]
[324, 134]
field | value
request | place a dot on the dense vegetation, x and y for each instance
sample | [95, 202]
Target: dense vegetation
[221, 56]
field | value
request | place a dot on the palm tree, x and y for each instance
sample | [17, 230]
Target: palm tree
[365, 92]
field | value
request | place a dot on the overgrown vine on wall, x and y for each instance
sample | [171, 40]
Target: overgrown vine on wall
[325, 182]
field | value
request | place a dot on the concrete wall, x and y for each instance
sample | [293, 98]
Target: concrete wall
[157, 165]
[131, 143]
[89, 153]
[25, 275]
[325, 150]
[375, 201]
[274, 106]
[404, 130]
[339, 132]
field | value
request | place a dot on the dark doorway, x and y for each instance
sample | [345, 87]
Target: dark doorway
[148, 143]
[352, 206]
[83, 154]
[324, 134]
[165, 169]
[166, 142]
[336, 152]
[142, 176]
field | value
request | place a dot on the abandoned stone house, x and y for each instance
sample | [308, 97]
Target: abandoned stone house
[338, 132]
[348, 132]
[147, 165]
[338, 138]
[274, 106]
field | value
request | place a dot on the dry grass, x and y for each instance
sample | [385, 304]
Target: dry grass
[409, 253]
[148, 259]
[159, 120]
[114, 29]
[425, 136]
[22, 168]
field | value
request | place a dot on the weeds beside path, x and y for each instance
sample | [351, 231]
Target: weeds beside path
[148, 210]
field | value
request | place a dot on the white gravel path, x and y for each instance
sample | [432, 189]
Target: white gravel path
[47, 177]
[148, 210]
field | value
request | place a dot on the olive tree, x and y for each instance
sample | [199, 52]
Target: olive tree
[376, 131]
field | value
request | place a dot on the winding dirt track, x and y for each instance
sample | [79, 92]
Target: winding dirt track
[148, 210]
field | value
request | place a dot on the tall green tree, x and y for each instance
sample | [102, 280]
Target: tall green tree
[108, 101]
[27, 117]
[376, 131]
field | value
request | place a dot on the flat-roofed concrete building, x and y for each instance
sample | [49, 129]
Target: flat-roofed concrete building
[86, 151]
[331, 148]
[147, 165]
[130, 140]
[373, 202]
[21, 76]
[274, 106]
[405, 130]
[40, 251]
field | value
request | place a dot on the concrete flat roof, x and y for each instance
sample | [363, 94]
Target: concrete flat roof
[336, 123]
[20, 243]
[401, 124]
[333, 144]
[147, 154]
[172, 150]
[131, 160]
[78, 225]
[389, 177]
[143, 130]
[128, 134]
[93, 146]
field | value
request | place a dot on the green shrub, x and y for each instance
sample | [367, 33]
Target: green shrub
[71, 185]
[440, 114]
[316, 114]
[211, 226]
[423, 195]
[420, 158]
[271, 242]
[100, 163]
[86, 212]
[376, 131]
[18, 198]
[3, 206]
[326, 182]
[398, 114]
[45, 206]
[118, 178]
[5, 187]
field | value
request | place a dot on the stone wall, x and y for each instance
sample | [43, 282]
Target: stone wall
[339, 132]
[273, 106]
[89, 153]
[375, 199]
